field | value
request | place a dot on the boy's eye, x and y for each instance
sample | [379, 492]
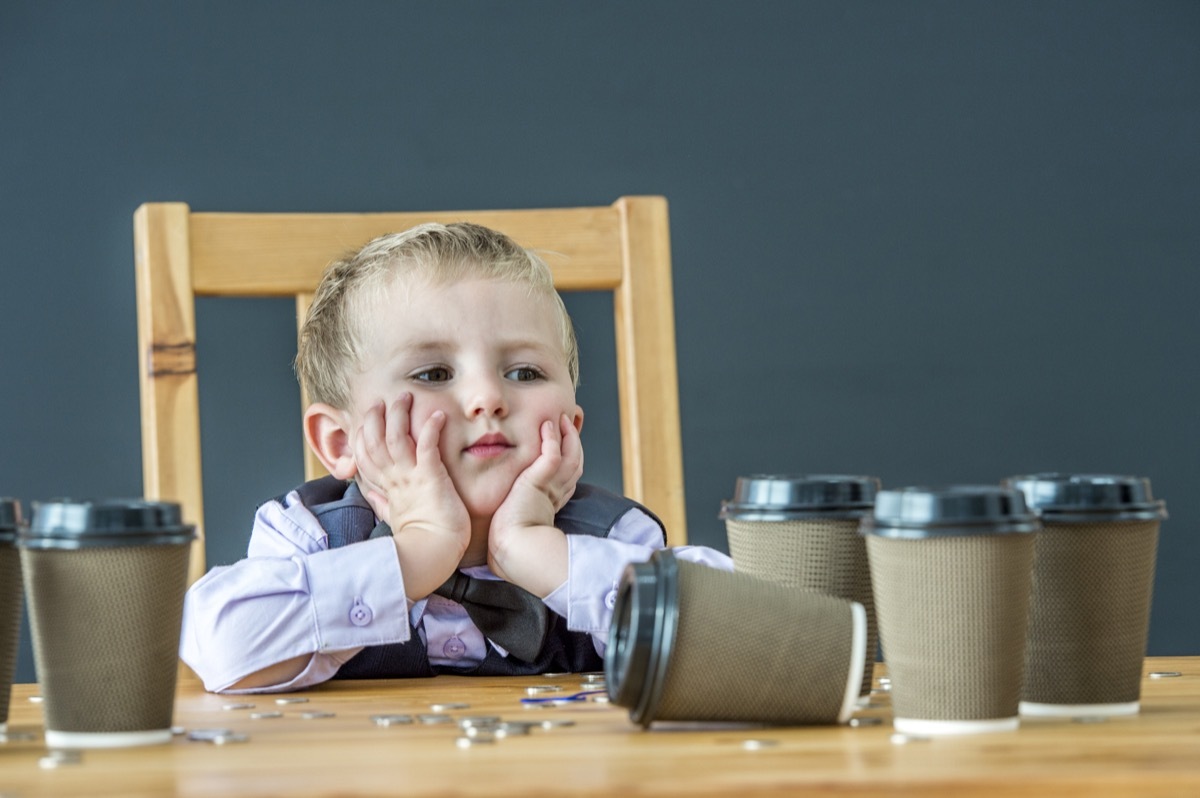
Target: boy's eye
[432, 374]
[523, 374]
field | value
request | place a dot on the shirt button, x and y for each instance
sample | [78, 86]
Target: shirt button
[610, 600]
[454, 648]
[360, 614]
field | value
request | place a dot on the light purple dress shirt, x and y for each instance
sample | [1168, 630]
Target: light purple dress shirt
[293, 595]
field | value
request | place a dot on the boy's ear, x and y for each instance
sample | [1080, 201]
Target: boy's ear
[577, 419]
[326, 430]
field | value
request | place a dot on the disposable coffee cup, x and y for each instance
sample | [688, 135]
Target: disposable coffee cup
[693, 643]
[105, 582]
[951, 570]
[10, 602]
[1093, 577]
[801, 531]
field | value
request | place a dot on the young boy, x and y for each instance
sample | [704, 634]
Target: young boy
[453, 534]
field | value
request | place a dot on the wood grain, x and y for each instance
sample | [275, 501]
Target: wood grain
[283, 254]
[604, 754]
[170, 399]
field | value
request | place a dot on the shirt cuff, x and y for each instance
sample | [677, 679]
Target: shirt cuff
[594, 568]
[358, 596]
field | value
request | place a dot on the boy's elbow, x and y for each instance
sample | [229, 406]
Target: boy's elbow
[220, 652]
[221, 665]
[272, 675]
[204, 653]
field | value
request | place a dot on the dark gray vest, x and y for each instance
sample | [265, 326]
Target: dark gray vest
[347, 518]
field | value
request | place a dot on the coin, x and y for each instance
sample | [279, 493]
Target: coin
[291, 700]
[483, 720]
[467, 742]
[231, 707]
[432, 719]
[479, 731]
[265, 715]
[554, 724]
[514, 729]
[538, 689]
[317, 715]
[391, 720]
[1165, 674]
[448, 706]
[226, 739]
[758, 745]
[206, 735]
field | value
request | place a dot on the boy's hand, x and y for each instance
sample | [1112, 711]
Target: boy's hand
[409, 488]
[524, 547]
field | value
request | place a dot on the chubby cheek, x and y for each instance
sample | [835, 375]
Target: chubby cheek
[419, 418]
[423, 408]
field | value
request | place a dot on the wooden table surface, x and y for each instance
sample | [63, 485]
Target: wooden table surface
[603, 753]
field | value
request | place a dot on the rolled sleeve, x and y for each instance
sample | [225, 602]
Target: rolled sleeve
[292, 596]
[595, 566]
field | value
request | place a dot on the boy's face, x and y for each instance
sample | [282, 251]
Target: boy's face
[488, 355]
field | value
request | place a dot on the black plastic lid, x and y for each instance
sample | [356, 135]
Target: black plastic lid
[951, 511]
[70, 524]
[10, 519]
[783, 497]
[642, 635]
[1089, 497]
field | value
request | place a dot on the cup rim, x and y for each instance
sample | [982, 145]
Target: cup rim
[782, 497]
[736, 512]
[871, 527]
[43, 542]
[636, 666]
[950, 511]
[104, 523]
[1065, 497]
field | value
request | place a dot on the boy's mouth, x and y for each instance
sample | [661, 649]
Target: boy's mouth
[493, 444]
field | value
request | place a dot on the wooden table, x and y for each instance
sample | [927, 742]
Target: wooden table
[603, 753]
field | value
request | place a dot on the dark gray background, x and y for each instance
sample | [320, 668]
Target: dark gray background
[930, 241]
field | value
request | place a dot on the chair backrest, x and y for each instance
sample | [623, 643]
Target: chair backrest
[623, 248]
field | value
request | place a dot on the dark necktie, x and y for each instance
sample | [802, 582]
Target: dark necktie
[512, 617]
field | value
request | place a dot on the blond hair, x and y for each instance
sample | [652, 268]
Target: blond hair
[331, 338]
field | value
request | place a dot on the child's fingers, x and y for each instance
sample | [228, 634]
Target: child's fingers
[551, 438]
[542, 471]
[370, 445]
[431, 435]
[572, 446]
[398, 430]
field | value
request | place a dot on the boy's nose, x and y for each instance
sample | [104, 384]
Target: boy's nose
[487, 399]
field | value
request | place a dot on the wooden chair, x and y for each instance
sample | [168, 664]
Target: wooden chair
[623, 248]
